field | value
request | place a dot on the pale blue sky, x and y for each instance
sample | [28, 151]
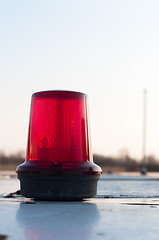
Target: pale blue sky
[107, 49]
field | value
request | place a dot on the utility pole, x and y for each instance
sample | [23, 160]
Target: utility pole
[143, 163]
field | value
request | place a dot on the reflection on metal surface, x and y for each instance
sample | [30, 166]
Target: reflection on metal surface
[3, 237]
[58, 220]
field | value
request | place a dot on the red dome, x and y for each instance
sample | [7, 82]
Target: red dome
[58, 139]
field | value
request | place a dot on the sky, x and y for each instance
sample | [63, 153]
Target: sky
[108, 49]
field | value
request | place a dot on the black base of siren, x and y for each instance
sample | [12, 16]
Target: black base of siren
[58, 187]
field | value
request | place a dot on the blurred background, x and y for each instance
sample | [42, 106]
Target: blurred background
[107, 49]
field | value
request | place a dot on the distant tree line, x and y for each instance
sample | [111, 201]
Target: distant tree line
[108, 164]
[11, 161]
[125, 163]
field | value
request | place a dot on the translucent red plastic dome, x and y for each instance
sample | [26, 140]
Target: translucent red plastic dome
[58, 139]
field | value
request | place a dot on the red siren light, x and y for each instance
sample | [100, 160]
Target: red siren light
[59, 162]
